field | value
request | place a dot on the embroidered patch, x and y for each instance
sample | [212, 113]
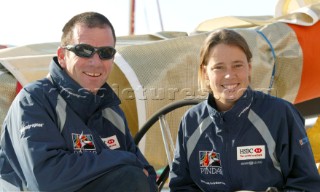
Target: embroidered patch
[112, 142]
[251, 152]
[209, 159]
[210, 163]
[303, 141]
[83, 142]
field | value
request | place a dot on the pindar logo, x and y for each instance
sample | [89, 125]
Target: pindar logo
[210, 163]
[83, 142]
[209, 159]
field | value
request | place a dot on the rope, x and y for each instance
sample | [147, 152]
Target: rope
[274, 57]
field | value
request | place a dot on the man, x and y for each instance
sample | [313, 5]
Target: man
[67, 132]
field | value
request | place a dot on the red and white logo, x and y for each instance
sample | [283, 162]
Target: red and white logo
[251, 152]
[112, 142]
[83, 142]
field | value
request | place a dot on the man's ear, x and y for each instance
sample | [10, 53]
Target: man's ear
[61, 57]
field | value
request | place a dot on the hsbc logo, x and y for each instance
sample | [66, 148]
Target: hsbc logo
[258, 150]
[111, 142]
[251, 152]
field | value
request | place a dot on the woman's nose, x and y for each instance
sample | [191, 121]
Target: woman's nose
[229, 73]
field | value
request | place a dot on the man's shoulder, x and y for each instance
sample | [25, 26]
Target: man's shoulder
[39, 89]
[38, 85]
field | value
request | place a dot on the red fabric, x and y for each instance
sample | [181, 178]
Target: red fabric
[18, 87]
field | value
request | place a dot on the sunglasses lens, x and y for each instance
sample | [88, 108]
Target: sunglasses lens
[83, 50]
[106, 52]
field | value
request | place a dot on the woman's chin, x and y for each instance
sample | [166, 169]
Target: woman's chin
[232, 97]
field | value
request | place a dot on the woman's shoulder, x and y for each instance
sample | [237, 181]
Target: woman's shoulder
[197, 111]
[269, 101]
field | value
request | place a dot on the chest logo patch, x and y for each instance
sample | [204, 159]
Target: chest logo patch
[209, 159]
[112, 142]
[83, 142]
[251, 152]
[210, 163]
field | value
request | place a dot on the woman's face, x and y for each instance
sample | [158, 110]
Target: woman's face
[228, 72]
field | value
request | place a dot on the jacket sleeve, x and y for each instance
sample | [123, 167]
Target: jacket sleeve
[134, 149]
[180, 179]
[297, 161]
[34, 145]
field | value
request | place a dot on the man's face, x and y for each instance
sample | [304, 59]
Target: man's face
[89, 73]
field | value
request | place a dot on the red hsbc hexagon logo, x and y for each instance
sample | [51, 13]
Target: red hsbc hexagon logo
[110, 141]
[258, 150]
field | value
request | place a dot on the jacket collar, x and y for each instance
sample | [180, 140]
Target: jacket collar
[238, 110]
[80, 99]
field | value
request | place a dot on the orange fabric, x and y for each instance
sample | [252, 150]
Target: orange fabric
[309, 40]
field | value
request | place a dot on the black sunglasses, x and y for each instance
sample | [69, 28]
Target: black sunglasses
[87, 51]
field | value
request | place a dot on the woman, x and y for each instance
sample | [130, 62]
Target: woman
[239, 139]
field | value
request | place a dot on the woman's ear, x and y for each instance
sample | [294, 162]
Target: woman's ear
[61, 57]
[204, 72]
[250, 70]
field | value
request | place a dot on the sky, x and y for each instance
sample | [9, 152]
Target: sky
[38, 21]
